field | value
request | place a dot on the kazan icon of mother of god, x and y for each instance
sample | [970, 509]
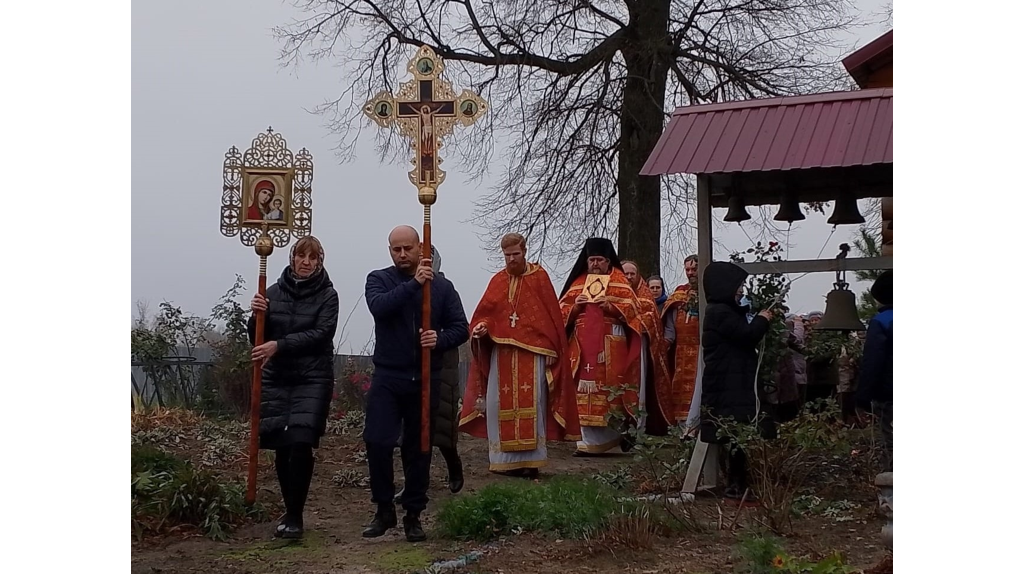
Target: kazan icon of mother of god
[262, 195]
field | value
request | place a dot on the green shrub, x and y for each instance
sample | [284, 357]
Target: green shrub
[764, 554]
[167, 491]
[149, 458]
[564, 506]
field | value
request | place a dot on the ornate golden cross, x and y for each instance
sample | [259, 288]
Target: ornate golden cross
[513, 318]
[425, 110]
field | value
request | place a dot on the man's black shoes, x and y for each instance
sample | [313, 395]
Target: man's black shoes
[456, 479]
[413, 528]
[384, 520]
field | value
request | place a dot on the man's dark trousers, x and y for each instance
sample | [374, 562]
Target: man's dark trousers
[391, 405]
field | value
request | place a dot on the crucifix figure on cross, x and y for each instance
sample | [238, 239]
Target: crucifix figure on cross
[425, 109]
[513, 318]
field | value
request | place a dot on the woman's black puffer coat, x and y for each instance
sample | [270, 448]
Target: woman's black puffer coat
[298, 380]
[730, 351]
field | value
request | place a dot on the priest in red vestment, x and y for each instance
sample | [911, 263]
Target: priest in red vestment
[682, 341]
[653, 366]
[605, 341]
[519, 393]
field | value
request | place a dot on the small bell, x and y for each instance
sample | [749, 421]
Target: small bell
[789, 208]
[737, 210]
[845, 211]
[840, 311]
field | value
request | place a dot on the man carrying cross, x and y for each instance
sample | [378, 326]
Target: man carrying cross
[519, 393]
[394, 296]
[604, 345]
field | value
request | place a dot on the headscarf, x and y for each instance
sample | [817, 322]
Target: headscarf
[660, 300]
[320, 255]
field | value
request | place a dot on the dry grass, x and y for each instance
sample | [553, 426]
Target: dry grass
[206, 443]
[164, 418]
[633, 529]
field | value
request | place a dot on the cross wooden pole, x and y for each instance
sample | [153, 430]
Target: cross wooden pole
[425, 363]
[264, 247]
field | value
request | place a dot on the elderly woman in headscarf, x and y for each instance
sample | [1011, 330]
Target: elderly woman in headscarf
[298, 372]
[657, 285]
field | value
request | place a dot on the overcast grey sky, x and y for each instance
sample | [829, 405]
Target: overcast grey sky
[205, 76]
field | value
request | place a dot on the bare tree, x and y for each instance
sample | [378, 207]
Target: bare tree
[580, 92]
[141, 317]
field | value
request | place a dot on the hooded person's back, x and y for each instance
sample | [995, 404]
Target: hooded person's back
[875, 383]
[729, 343]
[446, 420]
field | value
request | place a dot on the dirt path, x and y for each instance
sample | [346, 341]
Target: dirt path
[336, 514]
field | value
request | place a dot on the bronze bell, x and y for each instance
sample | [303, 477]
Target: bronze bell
[789, 208]
[845, 211]
[840, 311]
[737, 210]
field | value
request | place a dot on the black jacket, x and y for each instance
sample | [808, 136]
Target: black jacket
[446, 419]
[730, 350]
[396, 302]
[298, 380]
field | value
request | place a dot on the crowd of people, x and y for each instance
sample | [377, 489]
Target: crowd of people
[609, 352]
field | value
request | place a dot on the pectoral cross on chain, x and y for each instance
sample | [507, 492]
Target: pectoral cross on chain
[513, 318]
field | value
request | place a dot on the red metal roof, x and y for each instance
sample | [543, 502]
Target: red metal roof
[877, 50]
[839, 129]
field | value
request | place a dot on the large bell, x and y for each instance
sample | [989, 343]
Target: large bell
[789, 208]
[845, 211]
[737, 210]
[840, 311]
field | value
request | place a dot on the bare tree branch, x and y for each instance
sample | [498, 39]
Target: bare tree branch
[573, 85]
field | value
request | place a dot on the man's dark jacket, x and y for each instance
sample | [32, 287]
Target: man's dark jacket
[396, 302]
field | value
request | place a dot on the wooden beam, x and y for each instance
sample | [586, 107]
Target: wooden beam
[817, 265]
[704, 245]
[704, 460]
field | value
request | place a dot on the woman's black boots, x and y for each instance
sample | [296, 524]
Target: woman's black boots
[294, 467]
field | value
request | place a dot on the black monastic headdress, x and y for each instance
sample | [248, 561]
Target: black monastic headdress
[595, 246]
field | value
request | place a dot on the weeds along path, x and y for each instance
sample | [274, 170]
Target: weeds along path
[339, 507]
[337, 510]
